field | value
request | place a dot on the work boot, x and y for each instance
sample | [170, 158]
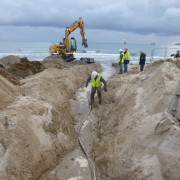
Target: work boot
[100, 101]
[120, 72]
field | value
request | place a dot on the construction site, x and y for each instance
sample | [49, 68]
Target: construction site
[48, 131]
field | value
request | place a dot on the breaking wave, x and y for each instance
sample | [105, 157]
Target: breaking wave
[87, 51]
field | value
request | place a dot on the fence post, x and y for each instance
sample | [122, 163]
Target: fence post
[152, 54]
[165, 54]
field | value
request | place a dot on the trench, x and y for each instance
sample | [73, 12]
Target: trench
[87, 127]
[79, 164]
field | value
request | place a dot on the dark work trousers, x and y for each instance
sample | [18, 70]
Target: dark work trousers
[141, 67]
[93, 91]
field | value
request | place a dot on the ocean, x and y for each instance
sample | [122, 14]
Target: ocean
[105, 53]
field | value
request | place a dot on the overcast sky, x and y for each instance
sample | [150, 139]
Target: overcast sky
[138, 21]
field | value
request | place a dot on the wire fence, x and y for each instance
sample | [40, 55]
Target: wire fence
[159, 53]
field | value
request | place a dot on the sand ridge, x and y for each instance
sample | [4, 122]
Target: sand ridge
[138, 136]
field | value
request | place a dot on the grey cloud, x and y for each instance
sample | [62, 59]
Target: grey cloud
[142, 17]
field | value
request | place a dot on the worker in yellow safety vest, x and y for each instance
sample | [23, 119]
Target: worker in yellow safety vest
[126, 59]
[121, 60]
[96, 80]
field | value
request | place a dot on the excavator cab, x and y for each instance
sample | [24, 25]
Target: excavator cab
[72, 44]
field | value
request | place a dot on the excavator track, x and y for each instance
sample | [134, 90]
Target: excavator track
[66, 57]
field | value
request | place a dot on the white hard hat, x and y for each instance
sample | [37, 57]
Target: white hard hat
[120, 50]
[94, 74]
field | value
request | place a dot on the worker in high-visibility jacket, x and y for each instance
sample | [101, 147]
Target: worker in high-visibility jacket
[121, 60]
[96, 80]
[126, 59]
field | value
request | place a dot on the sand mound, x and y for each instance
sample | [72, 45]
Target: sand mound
[13, 67]
[59, 63]
[36, 128]
[9, 59]
[174, 106]
[8, 92]
[25, 68]
[4, 73]
[139, 138]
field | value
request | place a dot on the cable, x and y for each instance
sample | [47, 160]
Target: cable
[91, 166]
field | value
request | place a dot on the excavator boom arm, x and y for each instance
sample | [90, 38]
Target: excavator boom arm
[81, 26]
[71, 28]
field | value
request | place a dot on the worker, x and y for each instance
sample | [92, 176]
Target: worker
[126, 59]
[177, 55]
[121, 60]
[96, 80]
[142, 60]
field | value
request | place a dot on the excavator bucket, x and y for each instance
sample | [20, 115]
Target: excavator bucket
[84, 43]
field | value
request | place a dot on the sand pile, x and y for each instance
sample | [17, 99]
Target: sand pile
[4, 73]
[5, 61]
[60, 63]
[19, 67]
[14, 68]
[25, 68]
[138, 137]
[8, 91]
[36, 125]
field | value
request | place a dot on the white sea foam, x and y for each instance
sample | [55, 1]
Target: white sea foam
[105, 53]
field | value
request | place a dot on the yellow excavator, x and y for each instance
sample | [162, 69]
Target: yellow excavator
[69, 45]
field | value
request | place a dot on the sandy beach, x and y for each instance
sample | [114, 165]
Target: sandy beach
[44, 113]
